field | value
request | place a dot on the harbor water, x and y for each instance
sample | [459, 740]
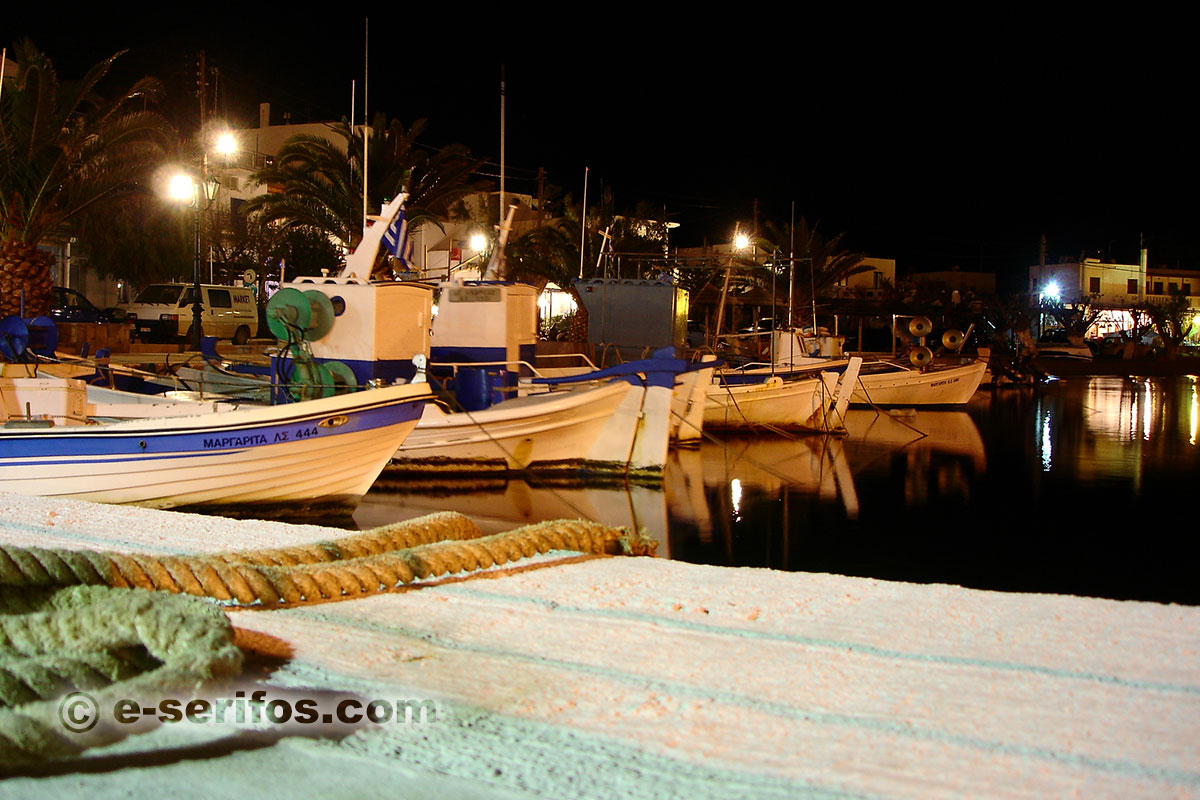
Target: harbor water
[1078, 486]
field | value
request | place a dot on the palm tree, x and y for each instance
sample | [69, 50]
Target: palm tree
[322, 179]
[63, 150]
[822, 262]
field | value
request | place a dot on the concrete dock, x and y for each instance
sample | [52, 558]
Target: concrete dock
[637, 677]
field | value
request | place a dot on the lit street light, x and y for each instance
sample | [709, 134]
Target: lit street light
[186, 188]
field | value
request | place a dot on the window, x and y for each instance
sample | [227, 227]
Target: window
[219, 298]
[1158, 287]
[1094, 285]
[1131, 286]
[1186, 289]
[158, 293]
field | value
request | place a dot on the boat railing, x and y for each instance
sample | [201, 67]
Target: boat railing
[455, 365]
[562, 372]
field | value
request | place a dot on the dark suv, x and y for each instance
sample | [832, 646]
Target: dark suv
[68, 305]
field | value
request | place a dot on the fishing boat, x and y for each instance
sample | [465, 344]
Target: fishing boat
[887, 383]
[798, 403]
[1057, 344]
[316, 455]
[615, 420]
[880, 382]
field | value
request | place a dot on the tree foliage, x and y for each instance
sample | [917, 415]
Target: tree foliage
[64, 150]
[139, 239]
[316, 182]
[1173, 320]
[818, 263]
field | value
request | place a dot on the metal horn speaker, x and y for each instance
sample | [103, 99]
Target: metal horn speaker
[920, 326]
[920, 356]
[952, 339]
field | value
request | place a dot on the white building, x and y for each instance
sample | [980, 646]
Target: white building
[1114, 287]
[1110, 284]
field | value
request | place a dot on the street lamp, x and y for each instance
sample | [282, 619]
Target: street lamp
[187, 188]
[477, 242]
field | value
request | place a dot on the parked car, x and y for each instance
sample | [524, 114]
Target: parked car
[69, 305]
[163, 312]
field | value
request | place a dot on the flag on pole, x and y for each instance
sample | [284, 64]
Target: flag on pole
[395, 238]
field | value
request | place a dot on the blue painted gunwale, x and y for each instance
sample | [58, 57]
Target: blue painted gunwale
[116, 442]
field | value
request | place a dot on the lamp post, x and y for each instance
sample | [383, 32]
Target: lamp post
[740, 242]
[184, 188]
[188, 188]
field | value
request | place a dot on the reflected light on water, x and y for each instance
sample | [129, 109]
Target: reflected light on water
[1147, 410]
[1047, 446]
[735, 497]
[1195, 415]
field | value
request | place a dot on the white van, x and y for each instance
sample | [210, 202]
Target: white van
[163, 311]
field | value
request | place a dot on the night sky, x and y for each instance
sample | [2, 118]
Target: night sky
[931, 140]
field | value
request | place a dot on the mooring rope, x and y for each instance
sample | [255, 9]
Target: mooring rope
[376, 560]
[75, 620]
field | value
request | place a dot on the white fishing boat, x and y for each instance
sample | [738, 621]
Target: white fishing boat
[886, 383]
[314, 455]
[1057, 344]
[805, 403]
[591, 429]
[879, 382]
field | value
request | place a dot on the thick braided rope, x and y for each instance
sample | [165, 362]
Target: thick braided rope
[376, 560]
[111, 643]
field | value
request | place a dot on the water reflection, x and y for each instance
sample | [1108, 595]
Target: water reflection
[1071, 487]
[499, 504]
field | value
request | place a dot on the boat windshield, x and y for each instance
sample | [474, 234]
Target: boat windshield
[159, 293]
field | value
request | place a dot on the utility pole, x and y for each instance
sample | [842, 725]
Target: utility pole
[541, 195]
[201, 191]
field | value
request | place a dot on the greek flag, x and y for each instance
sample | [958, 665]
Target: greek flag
[395, 238]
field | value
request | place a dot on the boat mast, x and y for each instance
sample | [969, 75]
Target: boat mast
[366, 63]
[502, 143]
[583, 224]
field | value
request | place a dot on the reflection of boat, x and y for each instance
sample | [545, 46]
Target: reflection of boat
[938, 430]
[501, 504]
[826, 466]
[322, 453]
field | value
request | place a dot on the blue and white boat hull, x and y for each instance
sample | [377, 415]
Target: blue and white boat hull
[321, 453]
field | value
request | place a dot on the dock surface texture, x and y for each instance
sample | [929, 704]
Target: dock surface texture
[647, 678]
